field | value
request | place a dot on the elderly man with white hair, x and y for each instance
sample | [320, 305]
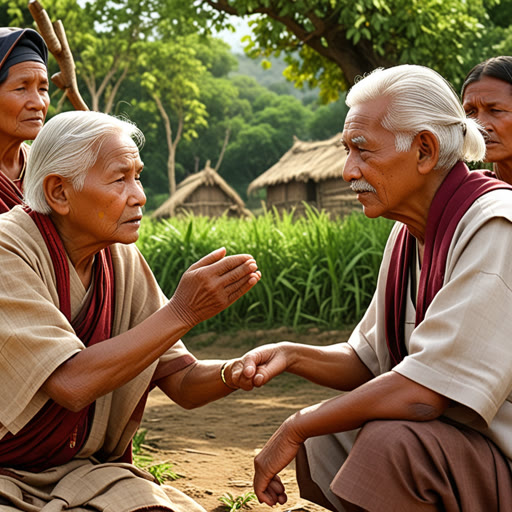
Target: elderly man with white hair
[85, 330]
[425, 420]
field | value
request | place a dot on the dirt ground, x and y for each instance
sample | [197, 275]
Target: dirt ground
[212, 447]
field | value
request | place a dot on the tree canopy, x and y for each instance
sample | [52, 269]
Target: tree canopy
[329, 43]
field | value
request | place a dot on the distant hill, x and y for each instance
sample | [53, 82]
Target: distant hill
[272, 78]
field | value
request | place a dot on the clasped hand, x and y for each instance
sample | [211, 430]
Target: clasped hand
[258, 366]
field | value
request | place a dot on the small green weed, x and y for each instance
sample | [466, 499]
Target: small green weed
[137, 441]
[233, 503]
[162, 471]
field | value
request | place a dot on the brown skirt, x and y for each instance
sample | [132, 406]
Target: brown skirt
[405, 466]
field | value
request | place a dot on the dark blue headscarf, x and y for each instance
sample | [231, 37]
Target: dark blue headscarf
[20, 45]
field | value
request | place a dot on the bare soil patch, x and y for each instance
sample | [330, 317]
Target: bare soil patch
[213, 447]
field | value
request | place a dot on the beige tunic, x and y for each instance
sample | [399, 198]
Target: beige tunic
[463, 347]
[35, 338]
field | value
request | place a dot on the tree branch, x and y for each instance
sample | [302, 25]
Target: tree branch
[353, 60]
[90, 83]
[111, 72]
[170, 144]
[56, 40]
[165, 117]
[110, 100]
[224, 146]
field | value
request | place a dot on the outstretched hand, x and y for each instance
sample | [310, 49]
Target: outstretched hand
[212, 284]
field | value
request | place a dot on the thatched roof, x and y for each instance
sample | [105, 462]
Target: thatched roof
[207, 177]
[305, 161]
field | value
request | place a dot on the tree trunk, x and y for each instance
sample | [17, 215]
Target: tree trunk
[171, 169]
[171, 145]
[96, 93]
[223, 150]
[60, 103]
[90, 82]
[111, 97]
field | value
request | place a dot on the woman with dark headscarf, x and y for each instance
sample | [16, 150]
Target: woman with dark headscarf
[24, 102]
[487, 97]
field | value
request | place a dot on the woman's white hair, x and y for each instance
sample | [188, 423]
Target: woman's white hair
[421, 99]
[69, 145]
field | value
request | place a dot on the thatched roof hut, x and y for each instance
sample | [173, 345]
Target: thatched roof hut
[310, 172]
[205, 193]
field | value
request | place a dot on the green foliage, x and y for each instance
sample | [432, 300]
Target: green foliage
[162, 471]
[497, 37]
[309, 68]
[171, 73]
[315, 271]
[328, 44]
[232, 503]
[215, 55]
[257, 147]
[327, 120]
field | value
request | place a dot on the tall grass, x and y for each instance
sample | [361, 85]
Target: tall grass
[315, 271]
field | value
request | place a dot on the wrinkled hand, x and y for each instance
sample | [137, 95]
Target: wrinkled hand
[212, 284]
[258, 366]
[277, 453]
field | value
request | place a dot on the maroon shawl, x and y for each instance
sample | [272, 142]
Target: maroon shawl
[56, 434]
[10, 194]
[457, 193]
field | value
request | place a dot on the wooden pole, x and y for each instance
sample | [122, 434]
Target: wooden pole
[55, 38]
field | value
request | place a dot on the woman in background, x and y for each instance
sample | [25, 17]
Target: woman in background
[487, 97]
[24, 102]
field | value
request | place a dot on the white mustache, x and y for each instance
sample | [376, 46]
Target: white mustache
[361, 186]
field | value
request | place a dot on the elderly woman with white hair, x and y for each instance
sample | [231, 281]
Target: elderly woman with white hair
[425, 420]
[86, 331]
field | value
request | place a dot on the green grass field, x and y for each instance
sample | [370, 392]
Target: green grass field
[315, 271]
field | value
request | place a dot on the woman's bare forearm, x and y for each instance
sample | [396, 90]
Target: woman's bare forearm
[105, 366]
[206, 288]
[197, 384]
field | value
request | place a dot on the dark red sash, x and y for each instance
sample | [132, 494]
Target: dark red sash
[56, 434]
[457, 193]
[10, 194]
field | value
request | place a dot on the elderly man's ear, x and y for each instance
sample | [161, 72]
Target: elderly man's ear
[56, 190]
[428, 151]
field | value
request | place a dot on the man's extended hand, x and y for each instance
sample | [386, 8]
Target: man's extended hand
[258, 366]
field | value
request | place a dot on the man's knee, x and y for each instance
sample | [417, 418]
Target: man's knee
[392, 430]
[392, 438]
